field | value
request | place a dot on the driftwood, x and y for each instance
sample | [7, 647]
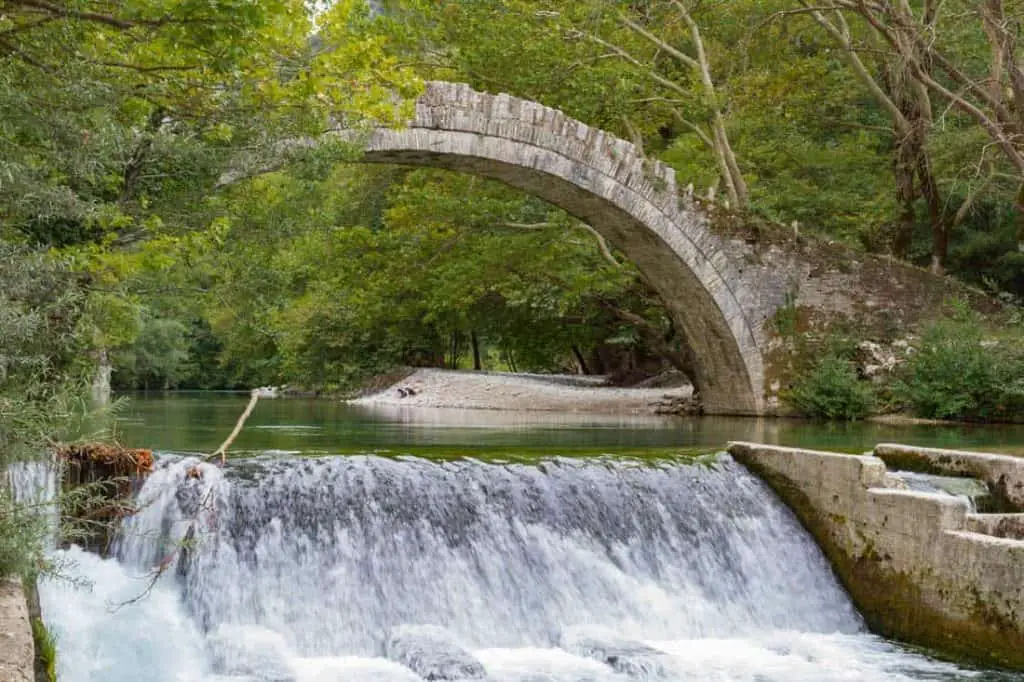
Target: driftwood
[223, 449]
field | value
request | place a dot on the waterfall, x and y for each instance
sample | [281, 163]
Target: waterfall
[376, 568]
[33, 484]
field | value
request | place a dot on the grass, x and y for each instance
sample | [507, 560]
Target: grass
[46, 648]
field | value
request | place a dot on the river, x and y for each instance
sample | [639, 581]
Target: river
[527, 547]
[199, 422]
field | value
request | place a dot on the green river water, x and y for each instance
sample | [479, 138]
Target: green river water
[199, 422]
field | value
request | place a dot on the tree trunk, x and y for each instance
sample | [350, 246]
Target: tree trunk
[510, 360]
[579, 359]
[475, 342]
[652, 335]
[101, 379]
[455, 351]
[936, 215]
[906, 195]
[1018, 218]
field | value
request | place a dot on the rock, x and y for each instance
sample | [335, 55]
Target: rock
[622, 655]
[679, 405]
[251, 651]
[874, 360]
[433, 653]
[671, 378]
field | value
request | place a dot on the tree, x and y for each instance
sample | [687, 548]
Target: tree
[964, 54]
[117, 120]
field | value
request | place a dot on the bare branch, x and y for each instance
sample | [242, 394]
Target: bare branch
[69, 13]
[842, 36]
[602, 244]
[650, 73]
[661, 44]
[992, 127]
[695, 128]
[223, 449]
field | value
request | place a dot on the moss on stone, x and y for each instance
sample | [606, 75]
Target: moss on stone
[892, 603]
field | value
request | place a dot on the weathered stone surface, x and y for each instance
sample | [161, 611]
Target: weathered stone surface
[17, 650]
[913, 562]
[1004, 474]
[724, 278]
[1000, 525]
[723, 284]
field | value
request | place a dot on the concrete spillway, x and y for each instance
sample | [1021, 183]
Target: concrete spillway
[371, 568]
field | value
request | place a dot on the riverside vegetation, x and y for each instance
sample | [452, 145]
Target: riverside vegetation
[886, 127]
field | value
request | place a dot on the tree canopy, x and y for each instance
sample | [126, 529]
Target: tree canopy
[891, 127]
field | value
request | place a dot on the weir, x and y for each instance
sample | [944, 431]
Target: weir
[377, 568]
[924, 567]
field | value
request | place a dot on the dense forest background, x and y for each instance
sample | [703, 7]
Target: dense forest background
[891, 127]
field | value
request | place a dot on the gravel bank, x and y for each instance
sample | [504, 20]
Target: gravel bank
[499, 391]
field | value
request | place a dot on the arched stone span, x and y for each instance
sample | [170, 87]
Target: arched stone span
[630, 200]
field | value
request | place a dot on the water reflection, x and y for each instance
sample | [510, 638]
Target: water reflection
[199, 421]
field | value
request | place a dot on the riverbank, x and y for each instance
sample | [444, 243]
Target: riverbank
[540, 392]
[17, 652]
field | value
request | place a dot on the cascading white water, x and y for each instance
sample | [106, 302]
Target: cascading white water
[33, 485]
[367, 568]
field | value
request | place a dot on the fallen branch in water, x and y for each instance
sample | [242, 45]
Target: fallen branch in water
[223, 449]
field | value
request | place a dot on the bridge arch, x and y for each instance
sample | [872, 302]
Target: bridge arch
[631, 201]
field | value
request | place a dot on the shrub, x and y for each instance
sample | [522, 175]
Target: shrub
[832, 390]
[22, 537]
[42, 379]
[956, 374]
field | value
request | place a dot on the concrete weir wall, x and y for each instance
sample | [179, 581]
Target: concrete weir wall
[17, 652]
[920, 567]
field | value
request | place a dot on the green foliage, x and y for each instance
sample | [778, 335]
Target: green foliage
[46, 648]
[832, 390]
[41, 366]
[958, 373]
[41, 384]
[158, 356]
[324, 282]
[23, 532]
[117, 119]
[787, 317]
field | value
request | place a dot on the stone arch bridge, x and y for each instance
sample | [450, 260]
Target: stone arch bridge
[723, 284]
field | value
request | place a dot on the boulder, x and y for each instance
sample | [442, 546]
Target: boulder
[251, 651]
[433, 653]
[625, 656]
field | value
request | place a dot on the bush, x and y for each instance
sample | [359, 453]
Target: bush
[956, 374]
[23, 534]
[42, 379]
[832, 390]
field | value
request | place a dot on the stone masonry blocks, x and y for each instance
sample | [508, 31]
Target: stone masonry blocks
[913, 562]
